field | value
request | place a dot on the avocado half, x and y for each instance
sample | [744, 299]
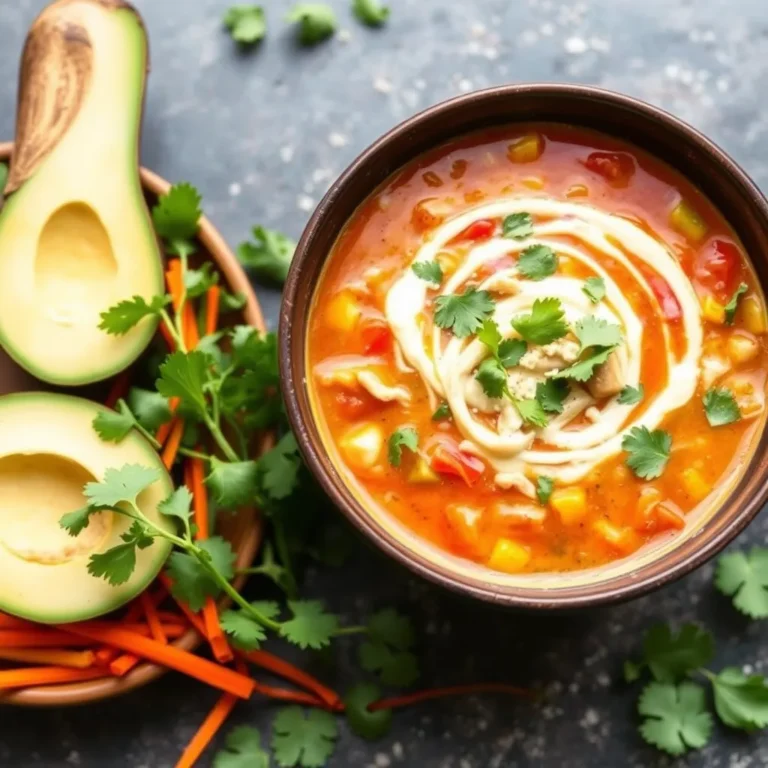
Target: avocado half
[76, 236]
[48, 451]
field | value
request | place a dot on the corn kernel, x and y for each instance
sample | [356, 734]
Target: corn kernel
[694, 484]
[754, 315]
[422, 473]
[687, 222]
[533, 182]
[343, 311]
[623, 539]
[570, 504]
[526, 149]
[713, 310]
[509, 556]
[742, 347]
[361, 446]
[577, 190]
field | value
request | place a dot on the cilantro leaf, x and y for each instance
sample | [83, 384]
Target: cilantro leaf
[306, 742]
[720, 407]
[405, 437]
[544, 487]
[648, 451]
[77, 521]
[463, 313]
[390, 626]
[269, 256]
[120, 318]
[120, 485]
[177, 214]
[316, 21]
[511, 352]
[244, 632]
[551, 394]
[150, 408]
[733, 303]
[583, 369]
[531, 411]
[431, 271]
[632, 671]
[631, 395]
[490, 335]
[231, 302]
[370, 12]
[198, 281]
[183, 375]
[311, 626]
[517, 226]
[246, 23]
[278, 469]
[178, 504]
[676, 719]
[492, 377]
[741, 701]
[594, 287]
[396, 668]
[596, 332]
[672, 656]
[242, 750]
[114, 426]
[233, 483]
[363, 722]
[544, 324]
[443, 412]
[744, 577]
[537, 262]
[191, 582]
[115, 565]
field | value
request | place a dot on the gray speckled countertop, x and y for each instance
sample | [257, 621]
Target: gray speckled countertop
[262, 135]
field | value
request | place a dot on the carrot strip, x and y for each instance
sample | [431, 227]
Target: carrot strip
[169, 617]
[189, 325]
[297, 697]
[213, 631]
[173, 280]
[457, 690]
[118, 389]
[53, 657]
[123, 664]
[153, 620]
[209, 728]
[174, 441]
[38, 638]
[171, 657]
[12, 622]
[28, 676]
[199, 497]
[212, 309]
[105, 655]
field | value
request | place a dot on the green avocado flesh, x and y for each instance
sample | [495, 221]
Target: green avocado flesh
[48, 451]
[75, 233]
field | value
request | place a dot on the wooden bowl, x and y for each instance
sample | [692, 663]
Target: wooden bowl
[649, 128]
[243, 529]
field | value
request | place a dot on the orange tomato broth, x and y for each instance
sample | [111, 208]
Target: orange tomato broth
[623, 512]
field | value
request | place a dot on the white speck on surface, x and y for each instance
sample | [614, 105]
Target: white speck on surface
[575, 45]
[477, 29]
[286, 154]
[397, 750]
[344, 35]
[321, 174]
[337, 139]
[547, 29]
[382, 85]
[382, 760]
[464, 85]
[410, 97]
[672, 71]
[73, 758]
[420, 84]
[599, 44]
[234, 189]
[747, 669]
[529, 37]
[603, 680]
[305, 203]
[591, 718]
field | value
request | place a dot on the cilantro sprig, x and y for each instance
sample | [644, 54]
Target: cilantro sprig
[544, 324]
[463, 313]
[268, 256]
[537, 262]
[720, 407]
[648, 451]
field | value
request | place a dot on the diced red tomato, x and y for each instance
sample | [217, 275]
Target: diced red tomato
[662, 516]
[617, 168]
[449, 460]
[353, 406]
[377, 338]
[478, 230]
[670, 306]
[717, 268]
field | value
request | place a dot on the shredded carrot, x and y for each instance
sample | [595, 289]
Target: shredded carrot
[456, 690]
[168, 656]
[171, 448]
[189, 325]
[199, 497]
[153, 620]
[165, 429]
[212, 309]
[38, 638]
[173, 280]
[118, 389]
[50, 656]
[213, 631]
[297, 697]
[28, 676]
[123, 664]
[104, 655]
[169, 617]
[12, 622]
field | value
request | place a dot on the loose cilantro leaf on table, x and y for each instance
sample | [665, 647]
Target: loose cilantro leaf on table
[316, 22]
[517, 226]
[120, 318]
[720, 407]
[246, 23]
[367, 724]
[387, 651]
[744, 577]
[648, 451]
[733, 303]
[176, 217]
[675, 717]
[583, 369]
[307, 742]
[631, 395]
[537, 262]
[544, 487]
[443, 412]
[405, 437]
[431, 271]
[463, 313]
[740, 701]
[370, 12]
[544, 324]
[594, 287]
[311, 626]
[268, 256]
[242, 749]
[551, 394]
[670, 656]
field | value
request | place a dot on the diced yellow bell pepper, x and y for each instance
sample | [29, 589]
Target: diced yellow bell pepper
[509, 556]
[713, 310]
[624, 539]
[694, 483]
[361, 446]
[343, 311]
[742, 347]
[570, 504]
[753, 313]
[422, 473]
[526, 149]
[687, 222]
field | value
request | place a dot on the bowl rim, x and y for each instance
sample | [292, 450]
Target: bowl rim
[103, 688]
[293, 373]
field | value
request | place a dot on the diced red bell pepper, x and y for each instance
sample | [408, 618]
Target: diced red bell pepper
[377, 338]
[670, 306]
[662, 517]
[617, 168]
[449, 460]
[353, 406]
[478, 230]
[718, 268]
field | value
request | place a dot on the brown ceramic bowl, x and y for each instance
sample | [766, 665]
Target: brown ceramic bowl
[244, 529]
[649, 128]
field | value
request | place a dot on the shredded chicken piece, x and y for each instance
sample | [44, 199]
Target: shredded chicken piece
[592, 414]
[381, 391]
[517, 480]
[520, 514]
[400, 363]
[712, 368]
[509, 420]
[610, 377]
